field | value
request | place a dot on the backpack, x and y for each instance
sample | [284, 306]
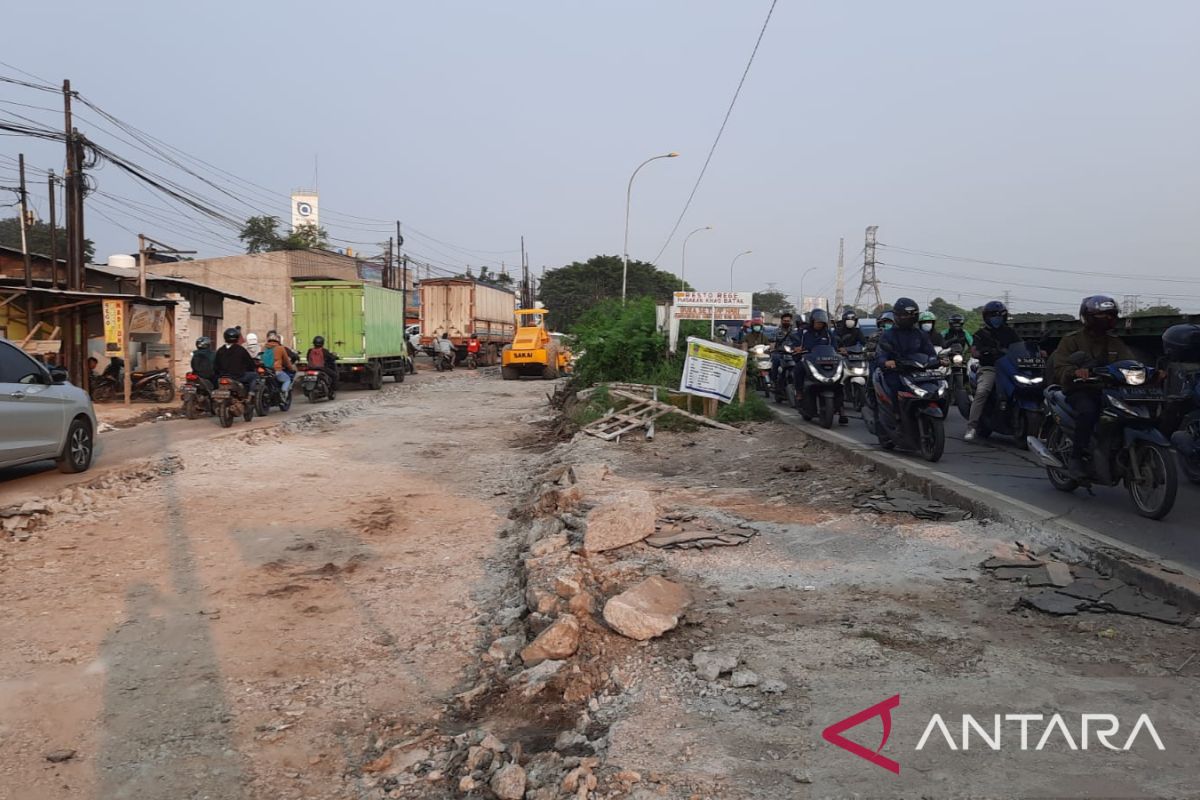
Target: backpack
[316, 358]
[268, 358]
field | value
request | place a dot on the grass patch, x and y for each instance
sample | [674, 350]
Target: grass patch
[753, 409]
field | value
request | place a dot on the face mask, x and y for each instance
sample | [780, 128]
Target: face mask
[851, 323]
[927, 326]
[757, 328]
[995, 322]
[887, 326]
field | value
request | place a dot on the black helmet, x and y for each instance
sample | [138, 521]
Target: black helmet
[231, 335]
[905, 311]
[318, 341]
[203, 343]
[887, 316]
[818, 315]
[849, 318]
[994, 308]
[957, 321]
[1099, 312]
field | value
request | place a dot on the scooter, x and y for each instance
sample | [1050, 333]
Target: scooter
[961, 384]
[315, 384]
[760, 363]
[821, 392]
[1180, 419]
[854, 377]
[1014, 406]
[916, 420]
[270, 393]
[229, 400]
[1126, 445]
[785, 386]
[443, 362]
[154, 385]
[197, 396]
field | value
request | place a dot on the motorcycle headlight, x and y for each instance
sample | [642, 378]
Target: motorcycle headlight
[787, 348]
[1134, 377]
[1121, 405]
[1027, 381]
[912, 387]
[958, 359]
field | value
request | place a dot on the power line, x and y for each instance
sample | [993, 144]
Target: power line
[720, 131]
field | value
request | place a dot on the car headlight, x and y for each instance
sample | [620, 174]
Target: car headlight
[958, 359]
[1134, 377]
[1027, 381]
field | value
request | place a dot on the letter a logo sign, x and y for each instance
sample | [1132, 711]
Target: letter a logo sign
[833, 734]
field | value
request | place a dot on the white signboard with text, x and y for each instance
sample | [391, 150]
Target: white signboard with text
[712, 370]
[709, 307]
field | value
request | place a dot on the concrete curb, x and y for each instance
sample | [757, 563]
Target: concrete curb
[1165, 578]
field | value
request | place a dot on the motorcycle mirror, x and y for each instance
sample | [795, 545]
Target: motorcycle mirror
[58, 375]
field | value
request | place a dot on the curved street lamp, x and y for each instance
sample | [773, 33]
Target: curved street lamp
[731, 263]
[683, 263]
[628, 197]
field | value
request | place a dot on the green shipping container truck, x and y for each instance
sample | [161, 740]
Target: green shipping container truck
[362, 324]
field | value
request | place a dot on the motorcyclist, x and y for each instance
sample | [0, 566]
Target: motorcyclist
[781, 336]
[445, 349]
[1099, 314]
[756, 336]
[847, 330]
[276, 358]
[927, 322]
[203, 358]
[318, 357]
[252, 346]
[988, 345]
[234, 361]
[901, 342]
[957, 333]
[818, 333]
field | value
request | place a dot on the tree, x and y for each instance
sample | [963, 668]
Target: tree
[771, 302]
[1156, 311]
[38, 238]
[262, 235]
[569, 291]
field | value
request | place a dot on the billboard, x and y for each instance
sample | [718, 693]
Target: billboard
[708, 306]
[304, 208]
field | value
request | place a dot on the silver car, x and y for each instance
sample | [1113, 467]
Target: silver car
[42, 417]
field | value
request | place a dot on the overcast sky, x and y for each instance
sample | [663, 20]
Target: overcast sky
[1053, 134]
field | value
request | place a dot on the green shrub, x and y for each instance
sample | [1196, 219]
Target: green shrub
[754, 409]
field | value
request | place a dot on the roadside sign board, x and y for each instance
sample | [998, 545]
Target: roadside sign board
[712, 370]
[707, 306]
[114, 327]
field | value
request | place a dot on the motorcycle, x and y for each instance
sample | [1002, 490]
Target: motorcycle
[315, 384]
[197, 396]
[961, 377]
[1126, 445]
[916, 420]
[821, 392]
[854, 377]
[229, 400]
[760, 362]
[154, 385]
[1014, 406]
[269, 392]
[443, 362]
[1181, 415]
[785, 387]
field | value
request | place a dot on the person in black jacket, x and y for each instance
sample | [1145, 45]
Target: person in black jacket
[204, 360]
[989, 344]
[234, 361]
[847, 330]
[901, 342]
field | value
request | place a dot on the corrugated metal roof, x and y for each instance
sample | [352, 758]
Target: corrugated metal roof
[127, 273]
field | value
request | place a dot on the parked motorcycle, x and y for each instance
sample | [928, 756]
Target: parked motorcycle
[269, 392]
[760, 366]
[1015, 405]
[821, 392]
[153, 385]
[961, 377]
[196, 393]
[230, 400]
[854, 377]
[315, 384]
[1126, 445]
[917, 418]
[1181, 414]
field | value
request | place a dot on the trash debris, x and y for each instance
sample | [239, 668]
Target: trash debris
[640, 414]
[903, 501]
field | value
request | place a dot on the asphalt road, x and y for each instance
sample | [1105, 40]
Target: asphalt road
[997, 464]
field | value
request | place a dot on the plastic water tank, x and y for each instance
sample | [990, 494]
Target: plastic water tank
[128, 262]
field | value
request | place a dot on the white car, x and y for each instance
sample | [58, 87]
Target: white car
[42, 416]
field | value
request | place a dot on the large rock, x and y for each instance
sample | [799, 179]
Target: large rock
[622, 519]
[559, 641]
[649, 609]
[509, 782]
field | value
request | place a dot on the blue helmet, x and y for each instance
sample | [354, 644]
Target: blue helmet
[995, 314]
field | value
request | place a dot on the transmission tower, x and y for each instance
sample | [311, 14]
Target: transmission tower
[839, 299]
[869, 285]
[1130, 303]
[1008, 299]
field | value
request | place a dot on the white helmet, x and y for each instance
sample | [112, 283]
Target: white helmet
[252, 343]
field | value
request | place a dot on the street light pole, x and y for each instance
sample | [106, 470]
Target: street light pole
[802, 277]
[731, 263]
[628, 197]
[683, 263]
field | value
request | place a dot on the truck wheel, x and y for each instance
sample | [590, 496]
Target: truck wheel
[510, 373]
[375, 377]
[398, 375]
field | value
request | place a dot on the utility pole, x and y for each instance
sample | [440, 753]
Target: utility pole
[25, 234]
[869, 284]
[387, 264]
[403, 262]
[840, 293]
[141, 265]
[524, 277]
[53, 235]
[1007, 298]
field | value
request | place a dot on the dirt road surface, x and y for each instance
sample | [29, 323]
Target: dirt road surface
[340, 608]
